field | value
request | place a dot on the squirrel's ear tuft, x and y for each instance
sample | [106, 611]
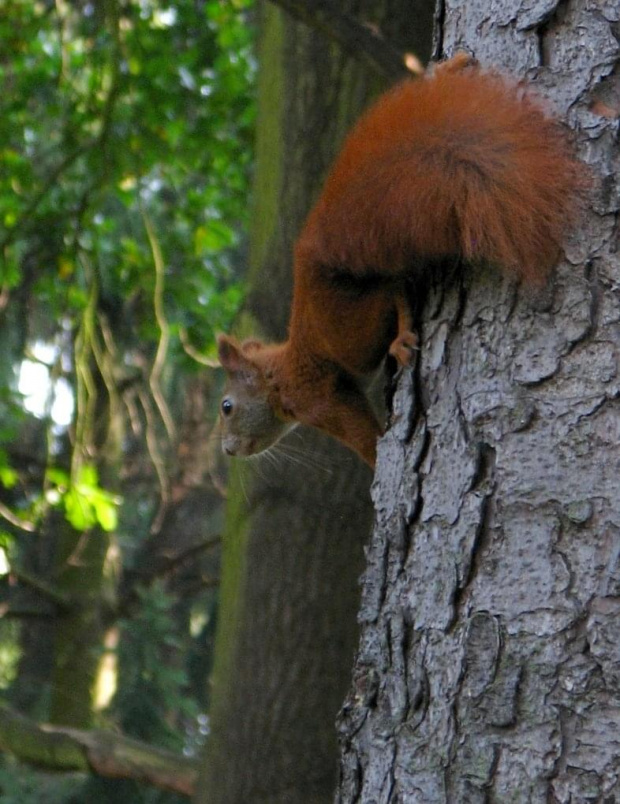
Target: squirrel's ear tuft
[229, 353]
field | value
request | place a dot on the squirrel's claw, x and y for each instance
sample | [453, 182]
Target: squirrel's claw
[403, 346]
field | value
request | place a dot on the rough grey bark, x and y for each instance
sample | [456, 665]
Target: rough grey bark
[488, 667]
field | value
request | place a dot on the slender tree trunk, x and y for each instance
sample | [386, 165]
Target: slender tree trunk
[80, 573]
[488, 661]
[293, 545]
[78, 632]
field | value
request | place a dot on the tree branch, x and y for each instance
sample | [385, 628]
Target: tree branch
[45, 589]
[103, 753]
[166, 564]
[56, 172]
[22, 524]
[161, 566]
[50, 181]
[360, 41]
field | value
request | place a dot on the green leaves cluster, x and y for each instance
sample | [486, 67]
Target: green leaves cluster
[85, 503]
[126, 133]
[112, 114]
[109, 107]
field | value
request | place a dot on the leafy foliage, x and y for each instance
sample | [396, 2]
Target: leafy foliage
[125, 133]
[129, 106]
[21, 785]
[152, 686]
[125, 153]
[85, 503]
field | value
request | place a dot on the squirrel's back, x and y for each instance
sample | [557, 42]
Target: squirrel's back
[463, 163]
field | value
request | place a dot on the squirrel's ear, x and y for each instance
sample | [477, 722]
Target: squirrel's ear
[251, 345]
[229, 353]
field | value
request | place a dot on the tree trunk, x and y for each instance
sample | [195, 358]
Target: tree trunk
[488, 661]
[292, 550]
[82, 570]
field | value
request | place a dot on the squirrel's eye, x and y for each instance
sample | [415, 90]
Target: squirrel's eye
[227, 406]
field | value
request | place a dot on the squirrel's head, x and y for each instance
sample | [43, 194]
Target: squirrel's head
[251, 419]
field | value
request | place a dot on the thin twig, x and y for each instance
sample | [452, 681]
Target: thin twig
[168, 565]
[192, 352]
[156, 459]
[164, 328]
[22, 524]
[42, 587]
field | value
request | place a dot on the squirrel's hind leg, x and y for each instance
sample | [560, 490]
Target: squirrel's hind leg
[406, 341]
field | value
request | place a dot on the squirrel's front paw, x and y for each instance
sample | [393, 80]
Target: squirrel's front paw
[403, 346]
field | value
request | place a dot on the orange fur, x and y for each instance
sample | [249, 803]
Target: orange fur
[460, 164]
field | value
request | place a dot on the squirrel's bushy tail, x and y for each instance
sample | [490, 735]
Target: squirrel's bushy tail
[463, 163]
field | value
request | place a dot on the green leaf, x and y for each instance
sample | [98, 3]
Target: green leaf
[87, 504]
[105, 506]
[213, 237]
[87, 477]
[8, 477]
[79, 512]
[58, 477]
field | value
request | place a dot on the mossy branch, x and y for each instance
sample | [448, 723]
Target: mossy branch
[102, 753]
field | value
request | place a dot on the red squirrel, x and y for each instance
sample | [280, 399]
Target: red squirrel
[458, 164]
